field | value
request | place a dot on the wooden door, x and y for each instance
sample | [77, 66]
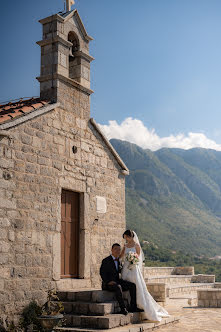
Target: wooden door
[69, 234]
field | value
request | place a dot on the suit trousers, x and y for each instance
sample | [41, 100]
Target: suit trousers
[121, 286]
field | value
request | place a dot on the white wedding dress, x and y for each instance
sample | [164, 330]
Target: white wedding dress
[152, 310]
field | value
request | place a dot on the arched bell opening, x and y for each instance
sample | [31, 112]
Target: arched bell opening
[73, 60]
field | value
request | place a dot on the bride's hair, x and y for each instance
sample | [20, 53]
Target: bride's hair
[129, 232]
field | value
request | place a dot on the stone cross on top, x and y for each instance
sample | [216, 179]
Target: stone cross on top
[69, 3]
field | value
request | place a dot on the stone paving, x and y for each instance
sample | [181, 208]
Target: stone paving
[193, 319]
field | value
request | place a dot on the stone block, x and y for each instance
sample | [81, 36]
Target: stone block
[20, 259]
[8, 204]
[1, 285]
[11, 236]
[102, 296]
[84, 296]
[19, 295]
[4, 258]
[3, 234]
[26, 139]
[68, 307]
[37, 142]
[4, 272]
[75, 320]
[6, 163]
[7, 184]
[4, 247]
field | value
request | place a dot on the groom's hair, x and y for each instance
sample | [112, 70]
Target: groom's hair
[115, 245]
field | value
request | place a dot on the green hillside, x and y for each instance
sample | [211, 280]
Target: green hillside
[173, 197]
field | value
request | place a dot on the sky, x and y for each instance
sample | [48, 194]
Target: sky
[157, 70]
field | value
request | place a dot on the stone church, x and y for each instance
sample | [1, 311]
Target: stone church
[62, 184]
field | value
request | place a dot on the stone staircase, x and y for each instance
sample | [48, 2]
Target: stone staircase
[91, 310]
[97, 310]
[176, 285]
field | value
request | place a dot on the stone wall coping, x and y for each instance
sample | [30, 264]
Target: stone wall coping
[124, 170]
[55, 39]
[206, 275]
[29, 116]
[66, 80]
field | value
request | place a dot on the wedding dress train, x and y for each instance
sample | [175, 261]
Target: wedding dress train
[152, 310]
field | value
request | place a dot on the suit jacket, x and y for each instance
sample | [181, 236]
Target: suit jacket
[108, 271]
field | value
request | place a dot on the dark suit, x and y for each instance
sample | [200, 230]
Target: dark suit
[109, 273]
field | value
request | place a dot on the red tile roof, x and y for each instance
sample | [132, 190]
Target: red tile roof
[12, 110]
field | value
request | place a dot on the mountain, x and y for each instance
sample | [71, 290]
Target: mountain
[173, 197]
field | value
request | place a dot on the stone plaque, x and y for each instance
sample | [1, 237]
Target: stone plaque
[101, 204]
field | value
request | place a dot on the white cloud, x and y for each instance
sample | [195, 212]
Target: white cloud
[134, 131]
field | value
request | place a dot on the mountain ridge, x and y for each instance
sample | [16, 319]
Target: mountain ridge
[173, 196]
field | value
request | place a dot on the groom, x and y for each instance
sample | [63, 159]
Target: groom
[109, 271]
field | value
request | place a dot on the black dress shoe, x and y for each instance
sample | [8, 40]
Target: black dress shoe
[135, 309]
[124, 312]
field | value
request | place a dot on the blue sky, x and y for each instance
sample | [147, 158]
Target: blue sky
[158, 61]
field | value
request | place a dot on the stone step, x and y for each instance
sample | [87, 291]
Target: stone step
[102, 322]
[92, 296]
[90, 308]
[187, 300]
[171, 279]
[143, 326]
[174, 291]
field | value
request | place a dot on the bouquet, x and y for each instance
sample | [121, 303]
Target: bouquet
[132, 258]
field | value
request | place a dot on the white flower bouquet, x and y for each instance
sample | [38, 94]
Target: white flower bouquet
[132, 258]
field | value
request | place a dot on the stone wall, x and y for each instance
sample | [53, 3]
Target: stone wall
[209, 298]
[158, 291]
[201, 278]
[183, 270]
[35, 164]
[166, 271]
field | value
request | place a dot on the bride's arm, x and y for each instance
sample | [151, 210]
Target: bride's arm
[122, 252]
[137, 247]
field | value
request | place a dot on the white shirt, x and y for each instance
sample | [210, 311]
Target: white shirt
[115, 262]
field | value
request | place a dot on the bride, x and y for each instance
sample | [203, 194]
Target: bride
[152, 310]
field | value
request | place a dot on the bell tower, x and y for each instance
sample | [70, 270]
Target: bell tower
[65, 58]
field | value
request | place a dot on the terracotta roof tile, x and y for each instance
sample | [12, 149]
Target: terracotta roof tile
[27, 109]
[4, 118]
[12, 110]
